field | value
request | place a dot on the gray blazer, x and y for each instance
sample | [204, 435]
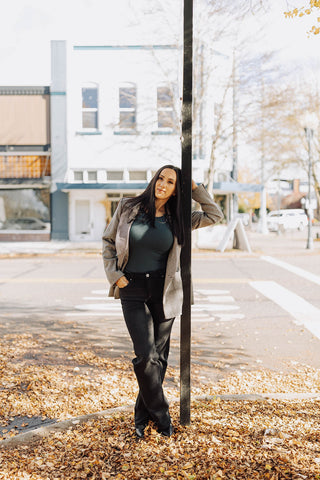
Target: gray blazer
[115, 249]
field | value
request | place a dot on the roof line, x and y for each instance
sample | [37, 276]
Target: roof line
[125, 47]
[24, 90]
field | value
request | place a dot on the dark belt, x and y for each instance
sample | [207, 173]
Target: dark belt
[142, 275]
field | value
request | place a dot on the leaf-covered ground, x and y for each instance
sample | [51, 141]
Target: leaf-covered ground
[226, 440]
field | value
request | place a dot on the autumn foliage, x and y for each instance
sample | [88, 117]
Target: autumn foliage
[306, 10]
[235, 439]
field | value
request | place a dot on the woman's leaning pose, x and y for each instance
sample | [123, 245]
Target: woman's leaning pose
[141, 254]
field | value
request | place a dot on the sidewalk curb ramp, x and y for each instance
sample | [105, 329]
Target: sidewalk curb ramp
[38, 433]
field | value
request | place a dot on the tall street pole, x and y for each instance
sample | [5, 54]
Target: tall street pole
[234, 173]
[186, 165]
[263, 192]
[309, 135]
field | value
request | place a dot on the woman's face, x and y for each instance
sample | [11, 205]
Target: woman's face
[166, 184]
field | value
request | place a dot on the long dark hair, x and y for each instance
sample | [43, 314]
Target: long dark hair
[146, 202]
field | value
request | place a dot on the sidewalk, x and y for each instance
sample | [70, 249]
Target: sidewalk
[289, 243]
[48, 248]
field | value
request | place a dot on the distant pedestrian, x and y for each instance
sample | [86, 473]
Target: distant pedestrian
[141, 254]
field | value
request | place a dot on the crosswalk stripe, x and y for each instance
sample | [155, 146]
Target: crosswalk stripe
[99, 306]
[213, 307]
[108, 299]
[211, 292]
[90, 314]
[302, 311]
[220, 298]
[292, 268]
[219, 306]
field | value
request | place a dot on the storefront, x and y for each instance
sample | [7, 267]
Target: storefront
[25, 163]
[24, 212]
[91, 207]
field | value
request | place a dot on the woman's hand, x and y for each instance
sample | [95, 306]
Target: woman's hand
[194, 185]
[122, 282]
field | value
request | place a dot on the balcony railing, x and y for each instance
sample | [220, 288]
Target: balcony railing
[25, 166]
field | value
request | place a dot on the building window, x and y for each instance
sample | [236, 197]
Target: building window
[114, 175]
[78, 176]
[128, 107]
[138, 175]
[165, 107]
[90, 107]
[92, 176]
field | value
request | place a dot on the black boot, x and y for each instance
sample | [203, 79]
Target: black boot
[167, 432]
[140, 430]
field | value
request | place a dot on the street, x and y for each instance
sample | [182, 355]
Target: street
[250, 311]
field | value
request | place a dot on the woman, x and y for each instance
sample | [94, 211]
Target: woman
[141, 253]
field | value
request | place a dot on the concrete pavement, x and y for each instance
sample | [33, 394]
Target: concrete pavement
[289, 243]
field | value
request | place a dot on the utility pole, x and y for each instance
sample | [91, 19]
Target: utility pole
[185, 325]
[263, 193]
[234, 173]
[309, 135]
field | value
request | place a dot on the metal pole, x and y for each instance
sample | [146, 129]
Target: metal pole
[234, 173]
[185, 325]
[263, 193]
[309, 134]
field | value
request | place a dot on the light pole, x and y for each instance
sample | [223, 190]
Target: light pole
[234, 173]
[263, 192]
[310, 122]
[309, 135]
[186, 165]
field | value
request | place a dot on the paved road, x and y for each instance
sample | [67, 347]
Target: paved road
[249, 311]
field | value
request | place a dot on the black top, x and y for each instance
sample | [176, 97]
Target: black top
[149, 246]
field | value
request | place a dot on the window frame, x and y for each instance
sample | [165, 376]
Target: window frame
[130, 172]
[96, 175]
[93, 86]
[74, 176]
[161, 109]
[114, 179]
[131, 110]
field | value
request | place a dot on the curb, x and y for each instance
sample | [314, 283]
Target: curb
[42, 432]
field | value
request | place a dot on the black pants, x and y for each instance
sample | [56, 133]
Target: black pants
[142, 306]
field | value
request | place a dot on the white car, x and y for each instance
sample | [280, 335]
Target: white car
[282, 220]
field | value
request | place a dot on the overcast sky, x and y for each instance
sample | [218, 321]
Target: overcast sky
[29, 25]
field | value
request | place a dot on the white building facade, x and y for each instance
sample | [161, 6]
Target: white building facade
[115, 119]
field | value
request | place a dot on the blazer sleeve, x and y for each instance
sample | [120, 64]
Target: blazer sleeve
[109, 252]
[211, 213]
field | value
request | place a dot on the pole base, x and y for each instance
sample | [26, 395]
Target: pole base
[309, 244]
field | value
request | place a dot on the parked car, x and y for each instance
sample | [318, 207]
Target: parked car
[282, 220]
[24, 223]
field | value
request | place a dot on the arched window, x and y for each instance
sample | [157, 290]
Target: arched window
[127, 106]
[90, 106]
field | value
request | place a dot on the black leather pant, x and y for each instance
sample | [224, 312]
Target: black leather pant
[150, 333]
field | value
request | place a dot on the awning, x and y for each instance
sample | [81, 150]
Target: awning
[66, 187]
[222, 188]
